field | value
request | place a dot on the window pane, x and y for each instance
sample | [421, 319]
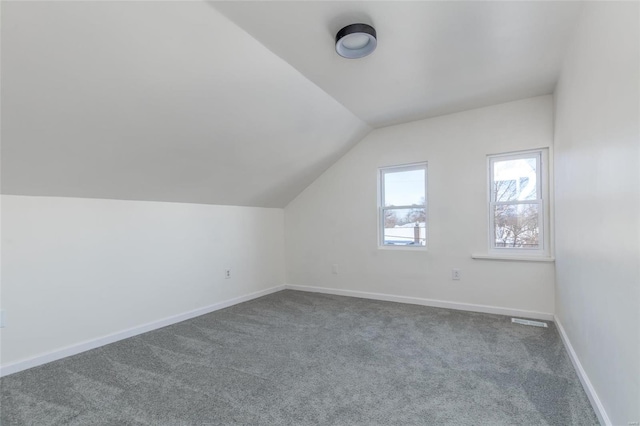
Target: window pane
[405, 226]
[404, 188]
[515, 180]
[516, 225]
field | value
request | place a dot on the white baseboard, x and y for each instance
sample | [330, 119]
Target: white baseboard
[426, 302]
[124, 334]
[584, 379]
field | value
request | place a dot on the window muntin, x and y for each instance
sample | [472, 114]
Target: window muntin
[517, 212]
[402, 207]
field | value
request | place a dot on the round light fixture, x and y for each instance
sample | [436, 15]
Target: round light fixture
[356, 41]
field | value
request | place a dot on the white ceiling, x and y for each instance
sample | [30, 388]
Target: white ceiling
[163, 101]
[433, 57]
[172, 101]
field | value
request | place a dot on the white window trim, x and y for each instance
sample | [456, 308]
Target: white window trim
[423, 165]
[543, 177]
[483, 256]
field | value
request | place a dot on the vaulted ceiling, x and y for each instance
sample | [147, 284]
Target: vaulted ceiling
[433, 57]
[243, 103]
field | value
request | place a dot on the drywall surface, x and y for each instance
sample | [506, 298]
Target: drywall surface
[334, 221]
[597, 158]
[158, 101]
[78, 269]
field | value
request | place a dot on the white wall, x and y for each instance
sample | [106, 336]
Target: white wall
[334, 221]
[77, 269]
[597, 203]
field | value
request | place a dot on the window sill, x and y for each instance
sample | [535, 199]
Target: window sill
[485, 256]
[403, 248]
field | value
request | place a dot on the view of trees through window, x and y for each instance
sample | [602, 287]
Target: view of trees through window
[516, 204]
[403, 209]
[402, 217]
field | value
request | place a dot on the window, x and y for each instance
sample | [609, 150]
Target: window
[403, 206]
[518, 211]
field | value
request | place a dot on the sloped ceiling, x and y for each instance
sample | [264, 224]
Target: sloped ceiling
[162, 101]
[433, 57]
[243, 103]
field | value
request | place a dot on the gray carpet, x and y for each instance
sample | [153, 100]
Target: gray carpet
[294, 358]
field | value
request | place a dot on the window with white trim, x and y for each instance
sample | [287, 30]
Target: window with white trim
[402, 206]
[518, 203]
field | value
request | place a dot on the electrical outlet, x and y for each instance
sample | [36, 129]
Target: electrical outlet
[456, 274]
[334, 269]
[227, 274]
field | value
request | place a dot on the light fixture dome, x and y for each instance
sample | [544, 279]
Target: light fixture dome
[356, 41]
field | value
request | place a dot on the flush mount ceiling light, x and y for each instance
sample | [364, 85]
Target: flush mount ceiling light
[356, 41]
